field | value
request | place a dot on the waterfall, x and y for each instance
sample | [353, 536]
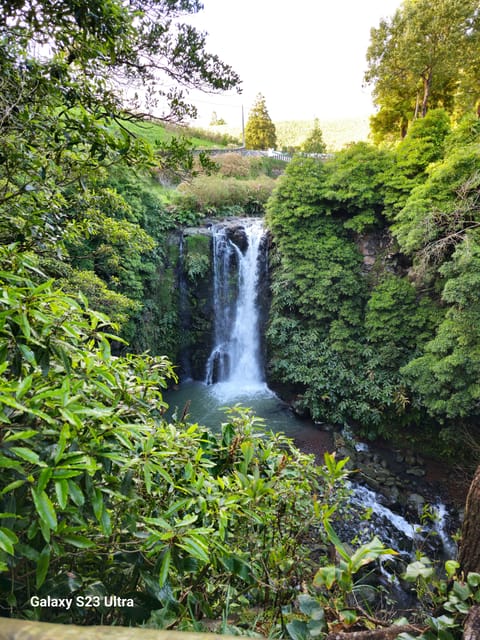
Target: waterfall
[235, 359]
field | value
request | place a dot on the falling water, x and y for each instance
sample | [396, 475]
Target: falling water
[235, 359]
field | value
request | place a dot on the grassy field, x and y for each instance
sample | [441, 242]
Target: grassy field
[156, 134]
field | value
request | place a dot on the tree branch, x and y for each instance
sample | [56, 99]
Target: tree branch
[388, 633]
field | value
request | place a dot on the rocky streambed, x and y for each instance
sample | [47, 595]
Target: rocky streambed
[413, 501]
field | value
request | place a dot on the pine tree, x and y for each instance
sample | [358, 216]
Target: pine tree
[260, 131]
[315, 143]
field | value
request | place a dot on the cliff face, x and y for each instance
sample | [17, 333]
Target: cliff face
[195, 284]
[381, 254]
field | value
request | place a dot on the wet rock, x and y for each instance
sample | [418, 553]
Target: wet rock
[338, 440]
[238, 236]
[373, 483]
[416, 502]
[299, 409]
[343, 452]
[392, 493]
[410, 459]
[324, 426]
[419, 472]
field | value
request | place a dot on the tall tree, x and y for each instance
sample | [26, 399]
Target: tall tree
[421, 58]
[260, 131]
[314, 143]
[63, 119]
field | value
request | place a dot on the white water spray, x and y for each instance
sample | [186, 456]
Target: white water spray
[235, 363]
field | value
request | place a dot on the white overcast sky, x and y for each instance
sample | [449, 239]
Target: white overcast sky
[307, 57]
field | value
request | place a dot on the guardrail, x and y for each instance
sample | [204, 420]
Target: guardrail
[266, 153]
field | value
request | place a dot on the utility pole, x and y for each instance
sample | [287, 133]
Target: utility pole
[243, 129]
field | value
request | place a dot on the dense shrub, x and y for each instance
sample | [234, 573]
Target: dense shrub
[100, 495]
[212, 195]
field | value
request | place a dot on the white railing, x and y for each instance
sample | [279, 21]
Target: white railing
[269, 153]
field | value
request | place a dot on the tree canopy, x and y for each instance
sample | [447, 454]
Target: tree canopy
[144, 42]
[425, 56]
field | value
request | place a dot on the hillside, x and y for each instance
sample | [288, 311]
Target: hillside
[157, 133]
[336, 133]
[291, 133]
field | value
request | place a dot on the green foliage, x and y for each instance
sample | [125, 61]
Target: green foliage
[445, 601]
[394, 340]
[159, 133]
[117, 306]
[314, 143]
[445, 598]
[66, 124]
[416, 153]
[355, 185]
[216, 195]
[124, 243]
[197, 258]
[101, 495]
[341, 364]
[212, 139]
[260, 130]
[446, 375]
[421, 58]
[424, 143]
[335, 586]
[439, 212]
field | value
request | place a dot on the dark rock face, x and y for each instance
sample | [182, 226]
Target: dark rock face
[264, 294]
[194, 280]
[236, 233]
[381, 253]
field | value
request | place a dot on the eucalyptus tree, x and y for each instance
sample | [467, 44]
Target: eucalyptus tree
[423, 57]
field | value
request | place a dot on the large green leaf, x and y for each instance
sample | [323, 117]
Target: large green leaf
[81, 542]
[164, 568]
[61, 489]
[8, 539]
[43, 563]
[45, 508]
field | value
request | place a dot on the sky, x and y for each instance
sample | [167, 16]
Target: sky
[307, 57]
